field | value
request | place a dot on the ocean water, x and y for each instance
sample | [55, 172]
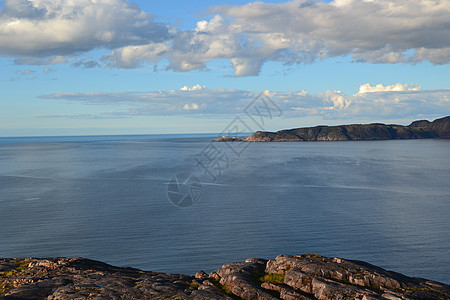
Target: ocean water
[106, 198]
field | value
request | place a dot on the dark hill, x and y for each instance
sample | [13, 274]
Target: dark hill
[423, 129]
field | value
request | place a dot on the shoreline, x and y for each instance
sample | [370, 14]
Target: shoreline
[421, 129]
[286, 277]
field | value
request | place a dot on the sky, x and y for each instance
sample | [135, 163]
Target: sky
[94, 67]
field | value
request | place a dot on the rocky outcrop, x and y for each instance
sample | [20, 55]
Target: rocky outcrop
[227, 139]
[285, 277]
[79, 278]
[423, 129]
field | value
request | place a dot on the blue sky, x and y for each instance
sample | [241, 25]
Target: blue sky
[114, 67]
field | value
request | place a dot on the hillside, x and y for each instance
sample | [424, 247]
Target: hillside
[423, 129]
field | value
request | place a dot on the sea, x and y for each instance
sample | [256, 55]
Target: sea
[180, 203]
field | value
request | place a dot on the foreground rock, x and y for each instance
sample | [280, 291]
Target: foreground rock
[286, 277]
[423, 129]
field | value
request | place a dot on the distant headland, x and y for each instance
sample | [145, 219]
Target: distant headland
[422, 129]
[285, 277]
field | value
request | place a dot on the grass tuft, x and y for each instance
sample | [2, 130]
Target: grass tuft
[272, 278]
[193, 285]
[23, 265]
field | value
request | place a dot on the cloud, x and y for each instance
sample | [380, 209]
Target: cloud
[193, 106]
[398, 87]
[390, 104]
[162, 103]
[39, 61]
[298, 31]
[304, 31]
[375, 31]
[84, 116]
[86, 64]
[210, 40]
[194, 88]
[27, 72]
[129, 57]
[41, 29]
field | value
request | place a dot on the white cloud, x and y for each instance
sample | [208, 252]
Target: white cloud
[378, 31]
[47, 28]
[193, 106]
[398, 87]
[211, 40]
[133, 56]
[298, 31]
[303, 31]
[381, 105]
[246, 66]
[194, 88]
[337, 98]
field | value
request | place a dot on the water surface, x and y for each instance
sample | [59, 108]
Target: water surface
[105, 198]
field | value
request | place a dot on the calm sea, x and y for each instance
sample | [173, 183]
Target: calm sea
[106, 198]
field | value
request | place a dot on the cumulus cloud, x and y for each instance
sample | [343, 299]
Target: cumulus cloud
[398, 87]
[130, 57]
[381, 105]
[375, 31]
[194, 88]
[50, 28]
[298, 31]
[304, 31]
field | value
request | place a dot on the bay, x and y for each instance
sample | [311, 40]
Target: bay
[106, 198]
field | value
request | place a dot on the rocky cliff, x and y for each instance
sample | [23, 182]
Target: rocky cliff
[423, 129]
[285, 277]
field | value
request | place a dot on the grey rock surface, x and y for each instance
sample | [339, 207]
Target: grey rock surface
[285, 277]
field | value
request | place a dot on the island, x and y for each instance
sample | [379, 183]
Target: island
[423, 129]
[308, 276]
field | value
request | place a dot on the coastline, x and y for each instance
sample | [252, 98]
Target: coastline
[421, 129]
[285, 277]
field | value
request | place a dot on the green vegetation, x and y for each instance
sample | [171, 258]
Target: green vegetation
[22, 266]
[7, 274]
[193, 285]
[223, 288]
[272, 278]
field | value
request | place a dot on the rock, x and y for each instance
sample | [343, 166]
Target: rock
[285, 277]
[78, 278]
[284, 291]
[228, 139]
[238, 278]
[201, 274]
